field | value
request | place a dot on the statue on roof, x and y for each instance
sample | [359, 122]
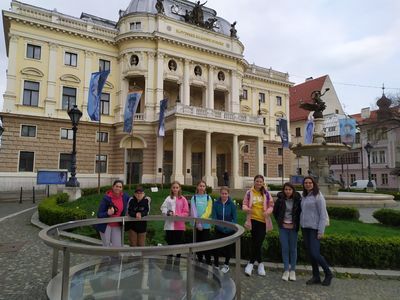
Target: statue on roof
[318, 105]
[233, 30]
[160, 7]
[197, 13]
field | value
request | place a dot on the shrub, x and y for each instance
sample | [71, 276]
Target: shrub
[51, 213]
[343, 213]
[388, 216]
[62, 198]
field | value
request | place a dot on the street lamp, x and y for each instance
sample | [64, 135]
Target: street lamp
[368, 147]
[75, 115]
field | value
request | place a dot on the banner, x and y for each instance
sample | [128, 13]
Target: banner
[97, 81]
[131, 104]
[347, 130]
[309, 132]
[283, 132]
[161, 122]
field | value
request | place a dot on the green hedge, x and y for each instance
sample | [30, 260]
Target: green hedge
[51, 213]
[343, 213]
[388, 216]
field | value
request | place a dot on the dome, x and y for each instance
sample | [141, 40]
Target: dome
[384, 102]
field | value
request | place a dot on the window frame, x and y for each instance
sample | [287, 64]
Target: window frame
[103, 64]
[103, 103]
[34, 48]
[69, 162]
[68, 61]
[31, 91]
[68, 130]
[261, 97]
[245, 94]
[69, 96]
[100, 134]
[298, 132]
[102, 163]
[19, 161]
[29, 127]
[278, 100]
[246, 169]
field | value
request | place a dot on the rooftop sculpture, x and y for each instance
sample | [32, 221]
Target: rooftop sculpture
[318, 105]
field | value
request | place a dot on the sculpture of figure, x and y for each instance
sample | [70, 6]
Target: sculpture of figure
[233, 30]
[160, 7]
[197, 13]
[209, 24]
[318, 106]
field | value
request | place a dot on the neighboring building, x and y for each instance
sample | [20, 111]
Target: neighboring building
[380, 128]
[222, 112]
[298, 116]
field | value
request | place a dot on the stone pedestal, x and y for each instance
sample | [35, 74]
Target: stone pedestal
[73, 192]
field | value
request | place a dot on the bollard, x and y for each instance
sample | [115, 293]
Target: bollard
[33, 196]
[48, 190]
[20, 196]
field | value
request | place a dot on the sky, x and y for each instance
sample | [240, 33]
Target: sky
[355, 42]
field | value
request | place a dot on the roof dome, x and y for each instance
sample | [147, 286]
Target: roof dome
[384, 102]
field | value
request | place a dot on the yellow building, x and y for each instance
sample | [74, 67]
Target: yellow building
[222, 112]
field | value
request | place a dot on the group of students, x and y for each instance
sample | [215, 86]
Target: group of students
[291, 210]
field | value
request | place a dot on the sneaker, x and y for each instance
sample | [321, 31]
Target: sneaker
[225, 269]
[292, 276]
[261, 270]
[249, 269]
[285, 276]
[327, 280]
[313, 280]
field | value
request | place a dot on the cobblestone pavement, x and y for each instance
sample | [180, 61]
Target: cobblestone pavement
[25, 272]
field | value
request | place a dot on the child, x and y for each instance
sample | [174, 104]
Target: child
[175, 205]
[287, 211]
[138, 207]
[258, 205]
[224, 209]
[201, 207]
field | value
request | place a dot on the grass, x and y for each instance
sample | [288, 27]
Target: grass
[156, 229]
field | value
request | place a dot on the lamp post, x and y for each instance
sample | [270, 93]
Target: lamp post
[259, 107]
[75, 115]
[368, 147]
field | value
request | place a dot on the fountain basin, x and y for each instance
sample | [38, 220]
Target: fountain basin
[320, 150]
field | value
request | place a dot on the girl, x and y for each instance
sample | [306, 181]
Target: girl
[287, 214]
[175, 205]
[201, 207]
[258, 205]
[113, 204]
[313, 221]
[224, 209]
[138, 207]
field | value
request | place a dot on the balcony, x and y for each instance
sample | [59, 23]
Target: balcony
[213, 114]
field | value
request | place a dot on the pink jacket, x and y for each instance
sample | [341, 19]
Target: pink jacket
[268, 209]
[180, 208]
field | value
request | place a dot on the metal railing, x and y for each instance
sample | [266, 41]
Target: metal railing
[50, 237]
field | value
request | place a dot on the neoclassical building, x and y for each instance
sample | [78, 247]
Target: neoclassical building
[222, 111]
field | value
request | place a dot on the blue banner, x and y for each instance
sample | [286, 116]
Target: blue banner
[97, 81]
[131, 104]
[161, 121]
[309, 130]
[347, 130]
[283, 132]
[51, 176]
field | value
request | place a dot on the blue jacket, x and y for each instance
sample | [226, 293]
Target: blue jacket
[225, 212]
[103, 208]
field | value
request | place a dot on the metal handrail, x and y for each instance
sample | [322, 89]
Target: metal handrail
[50, 237]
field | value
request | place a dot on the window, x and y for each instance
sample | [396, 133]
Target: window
[33, 51]
[105, 104]
[101, 164]
[280, 151]
[103, 137]
[385, 179]
[298, 131]
[299, 171]
[104, 65]
[352, 178]
[373, 177]
[384, 133]
[265, 169]
[68, 98]
[136, 26]
[31, 93]
[65, 161]
[246, 149]
[374, 156]
[28, 130]
[66, 134]
[264, 150]
[70, 59]
[336, 111]
[280, 170]
[26, 161]
[244, 96]
[277, 127]
[331, 128]
[382, 157]
[246, 170]
[278, 100]
[261, 97]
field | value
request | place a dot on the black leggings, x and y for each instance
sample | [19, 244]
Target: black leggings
[224, 251]
[202, 236]
[175, 237]
[258, 232]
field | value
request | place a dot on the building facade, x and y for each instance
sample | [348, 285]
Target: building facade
[222, 112]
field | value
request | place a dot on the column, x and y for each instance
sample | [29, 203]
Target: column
[210, 88]
[10, 93]
[208, 177]
[149, 95]
[159, 159]
[186, 85]
[235, 179]
[123, 92]
[260, 156]
[160, 81]
[180, 91]
[88, 72]
[50, 101]
[178, 155]
[188, 163]
[235, 105]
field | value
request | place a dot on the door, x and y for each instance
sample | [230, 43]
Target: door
[221, 167]
[197, 167]
[134, 166]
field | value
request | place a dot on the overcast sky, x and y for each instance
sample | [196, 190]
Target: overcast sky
[355, 42]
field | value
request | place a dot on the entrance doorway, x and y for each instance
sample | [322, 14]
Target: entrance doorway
[167, 167]
[221, 167]
[197, 167]
[134, 166]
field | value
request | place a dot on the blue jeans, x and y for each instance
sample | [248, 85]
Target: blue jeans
[288, 238]
[312, 245]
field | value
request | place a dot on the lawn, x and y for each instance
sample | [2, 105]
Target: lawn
[156, 232]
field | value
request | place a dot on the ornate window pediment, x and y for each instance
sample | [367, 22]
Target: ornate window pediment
[70, 78]
[32, 72]
[109, 85]
[246, 108]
